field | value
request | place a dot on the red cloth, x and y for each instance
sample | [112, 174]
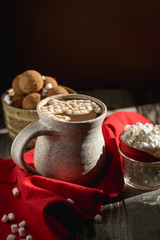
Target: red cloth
[43, 202]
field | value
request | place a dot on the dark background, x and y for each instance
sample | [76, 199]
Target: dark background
[84, 44]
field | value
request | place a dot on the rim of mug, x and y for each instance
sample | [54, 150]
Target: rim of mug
[71, 96]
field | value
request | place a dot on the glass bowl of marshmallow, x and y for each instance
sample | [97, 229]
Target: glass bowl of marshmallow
[140, 149]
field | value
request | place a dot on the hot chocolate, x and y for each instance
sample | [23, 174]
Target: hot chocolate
[72, 110]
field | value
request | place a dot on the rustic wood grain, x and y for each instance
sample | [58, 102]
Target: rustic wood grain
[114, 225]
[150, 111]
[144, 215]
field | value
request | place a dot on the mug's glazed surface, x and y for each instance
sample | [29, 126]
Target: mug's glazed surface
[68, 151]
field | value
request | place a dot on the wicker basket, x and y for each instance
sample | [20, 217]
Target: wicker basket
[16, 118]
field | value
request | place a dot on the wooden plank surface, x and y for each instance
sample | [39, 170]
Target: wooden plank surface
[135, 214]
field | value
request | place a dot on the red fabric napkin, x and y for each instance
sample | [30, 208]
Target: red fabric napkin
[50, 207]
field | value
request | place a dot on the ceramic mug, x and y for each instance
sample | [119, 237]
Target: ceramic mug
[68, 151]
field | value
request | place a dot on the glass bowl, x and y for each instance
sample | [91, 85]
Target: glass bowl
[141, 175]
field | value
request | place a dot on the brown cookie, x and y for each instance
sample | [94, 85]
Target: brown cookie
[31, 81]
[31, 100]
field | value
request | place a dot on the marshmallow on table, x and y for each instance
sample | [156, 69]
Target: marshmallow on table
[98, 218]
[11, 216]
[22, 232]
[4, 218]
[16, 191]
[29, 237]
[11, 237]
[22, 224]
[70, 200]
[14, 228]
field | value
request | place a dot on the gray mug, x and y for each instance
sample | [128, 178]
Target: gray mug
[68, 151]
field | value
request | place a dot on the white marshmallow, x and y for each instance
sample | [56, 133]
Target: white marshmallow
[44, 92]
[50, 107]
[145, 136]
[75, 109]
[29, 237]
[16, 191]
[127, 127]
[76, 112]
[70, 200]
[137, 144]
[57, 111]
[11, 216]
[134, 138]
[98, 218]
[49, 86]
[139, 124]
[97, 109]
[63, 117]
[14, 228]
[44, 108]
[4, 218]
[130, 141]
[89, 108]
[149, 139]
[69, 111]
[143, 145]
[152, 145]
[64, 109]
[88, 104]
[51, 101]
[82, 108]
[84, 111]
[154, 131]
[22, 224]
[11, 92]
[7, 99]
[22, 232]
[11, 237]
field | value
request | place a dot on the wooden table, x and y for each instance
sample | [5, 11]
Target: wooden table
[134, 214]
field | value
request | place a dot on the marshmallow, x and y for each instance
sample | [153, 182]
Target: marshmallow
[4, 218]
[11, 237]
[11, 92]
[143, 136]
[48, 86]
[14, 228]
[7, 99]
[22, 224]
[70, 200]
[89, 108]
[98, 218]
[71, 107]
[64, 118]
[97, 109]
[76, 112]
[143, 145]
[16, 191]
[22, 232]
[29, 237]
[57, 111]
[11, 216]
[43, 77]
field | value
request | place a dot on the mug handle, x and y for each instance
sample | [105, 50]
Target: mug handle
[31, 131]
